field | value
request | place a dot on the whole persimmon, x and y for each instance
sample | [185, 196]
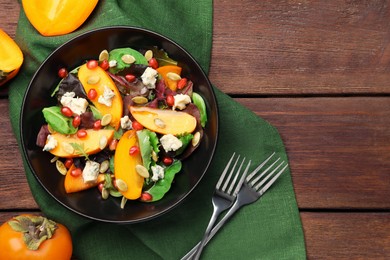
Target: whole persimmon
[34, 237]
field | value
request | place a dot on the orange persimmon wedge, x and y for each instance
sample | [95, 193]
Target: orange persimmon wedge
[99, 80]
[164, 70]
[164, 121]
[51, 18]
[124, 165]
[11, 58]
[95, 141]
[76, 184]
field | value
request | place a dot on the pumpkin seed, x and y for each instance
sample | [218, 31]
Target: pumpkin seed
[195, 140]
[148, 55]
[104, 166]
[142, 171]
[121, 185]
[173, 76]
[123, 202]
[103, 142]
[105, 193]
[140, 100]
[51, 130]
[61, 167]
[68, 148]
[128, 59]
[54, 159]
[106, 119]
[94, 79]
[159, 123]
[154, 156]
[103, 55]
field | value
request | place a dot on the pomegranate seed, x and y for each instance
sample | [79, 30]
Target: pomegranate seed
[66, 111]
[167, 161]
[153, 63]
[170, 100]
[100, 186]
[91, 64]
[113, 144]
[92, 94]
[68, 163]
[76, 172]
[97, 124]
[76, 121]
[82, 133]
[134, 150]
[146, 196]
[62, 73]
[130, 78]
[104, 64]
[182, 83]
[137, 126]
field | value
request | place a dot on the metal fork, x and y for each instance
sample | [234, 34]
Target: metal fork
[253, 188]
[224, 196]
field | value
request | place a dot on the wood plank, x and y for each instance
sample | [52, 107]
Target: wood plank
[300, 47]
[338, 148]
[347, 235]
[9, 14]
[13, 183]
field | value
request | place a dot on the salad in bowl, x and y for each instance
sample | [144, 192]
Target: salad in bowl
[119, 124]
[123, 123]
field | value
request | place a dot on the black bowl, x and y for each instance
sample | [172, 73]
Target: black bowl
[72, 54]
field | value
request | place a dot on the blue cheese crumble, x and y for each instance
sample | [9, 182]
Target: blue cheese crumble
[77, 105]
[50, 144]
[149, 77]
[91, 172]
[106, 98]
[181, 101]
[170, 142]
[158, 172]
[126, 123]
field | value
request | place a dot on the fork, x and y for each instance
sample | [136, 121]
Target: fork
[224, 196]
[252, 189]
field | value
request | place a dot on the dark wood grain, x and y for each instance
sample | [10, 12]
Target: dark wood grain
[9, 14]
[301, 47]
[347, 235]
[319, 72]
[338, 148]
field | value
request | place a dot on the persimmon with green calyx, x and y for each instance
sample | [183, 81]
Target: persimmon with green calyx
[52, 18]
[164, 121]
[76, 184]
[169, 81]
[69, 146]
[34, 237]
[11, 58]
[99, 80]
[125, 166]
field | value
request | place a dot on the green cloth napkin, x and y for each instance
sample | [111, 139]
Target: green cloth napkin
[268, 229]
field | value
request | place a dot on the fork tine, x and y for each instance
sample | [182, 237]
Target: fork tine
[233, 182]
[238, 187]
[227, 180]
[250, 176]
[225, 171]
[266, 187]
[264, 172]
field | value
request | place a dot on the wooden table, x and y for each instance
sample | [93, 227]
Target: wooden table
[319, 71]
